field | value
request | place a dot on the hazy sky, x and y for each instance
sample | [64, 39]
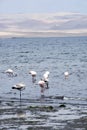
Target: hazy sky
[43, 17]
[43, 6]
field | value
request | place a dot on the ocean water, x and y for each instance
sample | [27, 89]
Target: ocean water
[55, 55]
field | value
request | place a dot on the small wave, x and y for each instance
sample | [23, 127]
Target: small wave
[75, 98]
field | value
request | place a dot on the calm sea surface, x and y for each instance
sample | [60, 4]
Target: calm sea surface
[55, 55]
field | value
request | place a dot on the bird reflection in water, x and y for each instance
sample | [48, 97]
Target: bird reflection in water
[20, 112]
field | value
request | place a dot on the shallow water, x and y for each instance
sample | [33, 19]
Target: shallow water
[56, 55]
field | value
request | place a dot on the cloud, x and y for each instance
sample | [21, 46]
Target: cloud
[58, 24]
[71, 24]
[32, 24]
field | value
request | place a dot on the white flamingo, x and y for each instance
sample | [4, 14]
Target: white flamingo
[42, 85]
[45, 78]
[10, 72]
[66, 74]
[20, 87]
[33, 74]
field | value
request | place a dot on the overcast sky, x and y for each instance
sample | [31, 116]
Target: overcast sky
[43, 6]
[21, 17]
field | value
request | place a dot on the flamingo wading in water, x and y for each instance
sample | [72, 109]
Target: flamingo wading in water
[66, 74]
[10, 72]
[33, 74]
[42, 85]
[45, 78]
[20, 87]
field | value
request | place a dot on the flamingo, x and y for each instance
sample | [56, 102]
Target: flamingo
[20, 87]
[33, 74]
[66, 73]
[10, 72]
[42, 85]
[45, 78]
